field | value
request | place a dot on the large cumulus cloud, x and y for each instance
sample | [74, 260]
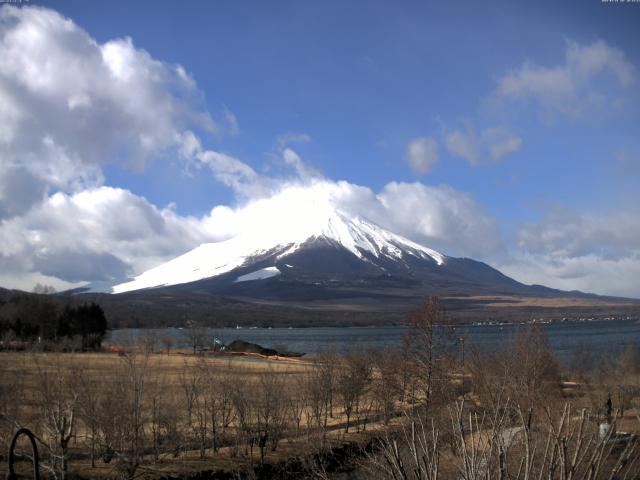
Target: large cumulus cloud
[69, 105]
[95, 235]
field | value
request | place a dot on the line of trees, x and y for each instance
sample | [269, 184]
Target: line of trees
[40, 318]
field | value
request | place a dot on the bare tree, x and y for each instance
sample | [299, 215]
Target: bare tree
[421, 344]
[220, 402]
[91, 389]
[413, 453]
[244, 411]
[123, 420]
[148, 340]
[195, 335]
[163, 416]
[202, 404]
[297, 401]
[270, 409]
[534, 371]
[167, 342]
[622, 377]
[56, 397]
[352, 381]
[525, 372]
[319, 386]
[154, 387]
[190, 384]
[387, 384]
[491, 377]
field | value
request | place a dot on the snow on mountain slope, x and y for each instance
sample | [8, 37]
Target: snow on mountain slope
[283, 229]
[259, 274]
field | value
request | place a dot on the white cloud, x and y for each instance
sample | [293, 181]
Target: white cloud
[283, 153]
[440, 217]
[589, 273]
[487, 147]
[69, 104]
[303, 170]
[568, 250]
[570, 88]
[96, 235]
[565, 233]
[26, 281]
[291, 137]
[233, 126]
[422, 154]
[228, 170]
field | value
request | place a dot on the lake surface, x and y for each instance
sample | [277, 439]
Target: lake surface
[603, 337]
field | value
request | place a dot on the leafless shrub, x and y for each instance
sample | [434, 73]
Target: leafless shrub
[411, 454]
[508, 442]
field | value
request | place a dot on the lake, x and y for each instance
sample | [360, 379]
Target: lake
[604, 337]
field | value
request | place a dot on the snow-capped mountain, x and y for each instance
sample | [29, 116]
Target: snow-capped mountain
[367, 243]
[302, 257]
[307, 247]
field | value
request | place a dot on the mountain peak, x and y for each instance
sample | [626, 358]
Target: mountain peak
[294, 222]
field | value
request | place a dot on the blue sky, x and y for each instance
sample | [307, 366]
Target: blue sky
[515, 125]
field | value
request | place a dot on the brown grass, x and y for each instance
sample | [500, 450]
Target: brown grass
[167, 370]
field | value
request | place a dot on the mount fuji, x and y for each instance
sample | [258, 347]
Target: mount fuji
[299, 245]
[340, 244]
[302, 257]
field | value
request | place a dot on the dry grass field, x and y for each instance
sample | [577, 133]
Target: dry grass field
[508, 414]
[181, 395]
